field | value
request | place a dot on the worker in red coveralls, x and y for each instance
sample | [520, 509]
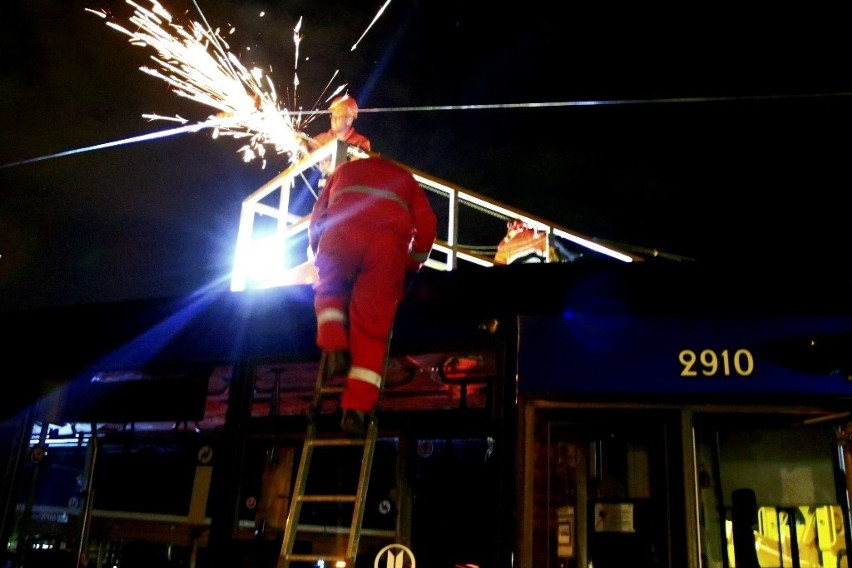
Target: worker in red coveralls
[371, 224]
[522, 243]
[344, 111]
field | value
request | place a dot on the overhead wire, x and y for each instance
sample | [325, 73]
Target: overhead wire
[434, 108]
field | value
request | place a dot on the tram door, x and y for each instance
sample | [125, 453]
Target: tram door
[606, 490]
[772, 491]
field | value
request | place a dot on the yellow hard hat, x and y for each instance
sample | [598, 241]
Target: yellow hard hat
[344, 103]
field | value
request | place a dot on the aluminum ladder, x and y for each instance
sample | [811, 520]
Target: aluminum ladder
[315, 439]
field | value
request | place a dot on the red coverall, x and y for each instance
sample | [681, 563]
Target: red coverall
[352, 137]
[371, 223]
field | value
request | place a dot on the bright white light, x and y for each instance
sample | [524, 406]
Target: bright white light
[265, 259]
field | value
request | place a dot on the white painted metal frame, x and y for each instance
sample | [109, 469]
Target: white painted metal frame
[289, 225]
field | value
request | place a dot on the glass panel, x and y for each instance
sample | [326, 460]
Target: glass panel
[137, 495]
[770, 490]
[424, 381]
[602, 492]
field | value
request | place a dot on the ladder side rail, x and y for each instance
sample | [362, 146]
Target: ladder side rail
[291, 529]
[361, 495]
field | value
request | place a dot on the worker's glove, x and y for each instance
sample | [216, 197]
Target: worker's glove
[412, 266]
[416, 260]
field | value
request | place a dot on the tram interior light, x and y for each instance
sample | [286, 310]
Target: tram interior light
[467, 368]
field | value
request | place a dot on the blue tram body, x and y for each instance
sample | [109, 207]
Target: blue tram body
[558, 415]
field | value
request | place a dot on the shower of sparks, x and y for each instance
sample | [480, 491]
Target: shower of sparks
[196, 62]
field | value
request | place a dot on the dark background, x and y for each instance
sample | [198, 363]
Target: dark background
[712, 131]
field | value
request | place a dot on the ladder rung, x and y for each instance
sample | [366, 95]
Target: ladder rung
[331, 390]
[326, 498]
[326, 529]
[314, 558]
[335, 442]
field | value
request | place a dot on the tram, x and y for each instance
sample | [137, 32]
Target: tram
[567, 415]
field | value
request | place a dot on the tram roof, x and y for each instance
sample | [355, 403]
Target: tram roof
[283, 317]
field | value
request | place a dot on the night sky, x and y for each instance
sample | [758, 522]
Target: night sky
[711, 131]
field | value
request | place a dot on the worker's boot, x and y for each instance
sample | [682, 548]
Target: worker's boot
[354, 423]
[338, 363]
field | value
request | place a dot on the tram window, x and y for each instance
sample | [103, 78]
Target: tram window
[792, 475]
[456, 502]
[786, 467]
[603, 490]
[56, 490]
[139, 490]
[145, 478]
[129, 395]
[440, 380]
[267, 467]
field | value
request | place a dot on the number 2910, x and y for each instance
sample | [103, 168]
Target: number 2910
[710, 363]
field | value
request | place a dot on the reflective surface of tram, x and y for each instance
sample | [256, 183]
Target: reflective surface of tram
[632, 415]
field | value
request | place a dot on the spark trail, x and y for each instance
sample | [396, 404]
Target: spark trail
[375, 19]
[132, 140]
